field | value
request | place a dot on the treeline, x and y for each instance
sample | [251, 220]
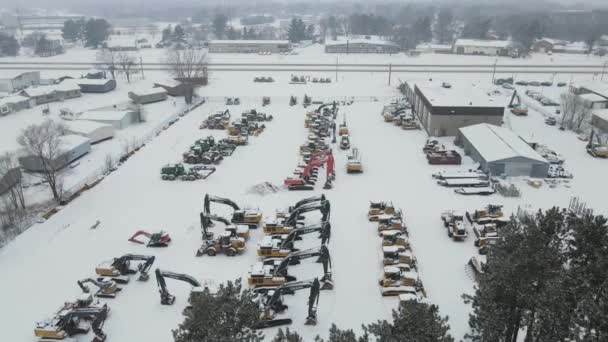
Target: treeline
[92, 32]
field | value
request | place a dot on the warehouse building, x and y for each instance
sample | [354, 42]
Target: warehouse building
[442, 109]
[249, 46]
[18, 81]
[172, 87]
[366, 44]
[148, 95]
[482, 47]
[499, 151]
[94, 85]
[15, 103]
[72, 147]
[119, 119]
[95, 131]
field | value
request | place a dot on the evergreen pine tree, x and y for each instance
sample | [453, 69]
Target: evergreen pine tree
[287, 336]
[226, 315]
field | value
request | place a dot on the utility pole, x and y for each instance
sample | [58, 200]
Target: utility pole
[336, 68]
[604, 69]
[494, 70]
[141, 66]
[390, 71]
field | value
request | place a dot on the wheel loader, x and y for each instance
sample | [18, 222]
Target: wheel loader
[353, 163]
[225, 244]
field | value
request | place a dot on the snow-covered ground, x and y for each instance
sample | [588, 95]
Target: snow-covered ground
[57, 253]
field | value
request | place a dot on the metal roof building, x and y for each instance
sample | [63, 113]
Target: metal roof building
[72, 147]
[499, 151]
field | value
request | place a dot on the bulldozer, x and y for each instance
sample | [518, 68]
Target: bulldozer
[379, 208]
[225, 244]
[596, 149]
[394, 237]
[353, 163]
[491, 211]
[178, 171]
[394, 277]
[392, 222]
[398, 256]
[219, 120]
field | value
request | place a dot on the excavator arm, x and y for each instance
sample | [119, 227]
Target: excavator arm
[324, 228]
[106, 289]
[274, 303]
[220, 200]
[69, 321]
[122, 264]
[167, 298]
[324, 207]
[306, 201]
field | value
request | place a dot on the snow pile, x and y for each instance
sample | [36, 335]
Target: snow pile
[264, 188]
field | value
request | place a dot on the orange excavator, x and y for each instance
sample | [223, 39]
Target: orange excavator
[306, 179]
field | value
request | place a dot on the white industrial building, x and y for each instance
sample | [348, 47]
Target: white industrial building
[118, 119]
[367, 44]
[95, 131]
[481, 47]
[71, 147]
[11, 82]
[249, 46]
[499, 151]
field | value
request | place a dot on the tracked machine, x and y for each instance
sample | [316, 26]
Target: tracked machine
[119, 269]
[219, 120]
[207, 221]
[353, 163]
[160, 239]
[455, 224]
[248, 216]
[280, 245]
[273, 272]
[305, 179]
[178, 171]
[286, 225]
[74, 318]
[396, 282]
[167, 298]
[105, 288]
[272, 303]
[377, 209]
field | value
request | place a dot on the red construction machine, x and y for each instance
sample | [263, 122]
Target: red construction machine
[305, 178]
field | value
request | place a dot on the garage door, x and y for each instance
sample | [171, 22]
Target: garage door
[512, 169]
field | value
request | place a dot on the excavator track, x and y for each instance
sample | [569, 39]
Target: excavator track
[272, 323]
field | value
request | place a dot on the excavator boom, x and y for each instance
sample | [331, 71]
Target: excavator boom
[167, 298]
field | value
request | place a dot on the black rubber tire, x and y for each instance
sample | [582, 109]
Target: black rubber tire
[211, 252]
[231, 252]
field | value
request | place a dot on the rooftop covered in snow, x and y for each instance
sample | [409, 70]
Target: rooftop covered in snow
[498, 143]
[483, 43]
[461, 94]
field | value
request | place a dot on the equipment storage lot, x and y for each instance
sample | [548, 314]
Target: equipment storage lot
[64, 249]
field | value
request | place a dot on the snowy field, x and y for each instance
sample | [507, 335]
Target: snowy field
[64, 249]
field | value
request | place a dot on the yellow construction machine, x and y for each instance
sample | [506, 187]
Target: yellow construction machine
[353, 164]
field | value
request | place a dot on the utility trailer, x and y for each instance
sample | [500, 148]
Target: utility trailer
[464, 183]
[474, 174]
[483, 191]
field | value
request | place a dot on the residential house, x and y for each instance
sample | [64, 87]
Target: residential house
[15, 103]
[482, 47]
[51, 93]
[148, 95]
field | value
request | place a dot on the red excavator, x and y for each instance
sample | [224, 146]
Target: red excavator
[305, 181]
[160, 239]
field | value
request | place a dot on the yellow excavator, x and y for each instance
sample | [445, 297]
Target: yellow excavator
[280, 245]
[118, 269]
[70, 319]
[272, 272]
[286, 225]
[248, 216]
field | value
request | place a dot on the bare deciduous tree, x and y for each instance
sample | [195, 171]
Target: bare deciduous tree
[43, 142]
[109, 60]
[575, 111]
[127, 64]
[187, 65]
[10, 177]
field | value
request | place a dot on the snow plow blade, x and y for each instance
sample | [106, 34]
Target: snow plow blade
[272, 323]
